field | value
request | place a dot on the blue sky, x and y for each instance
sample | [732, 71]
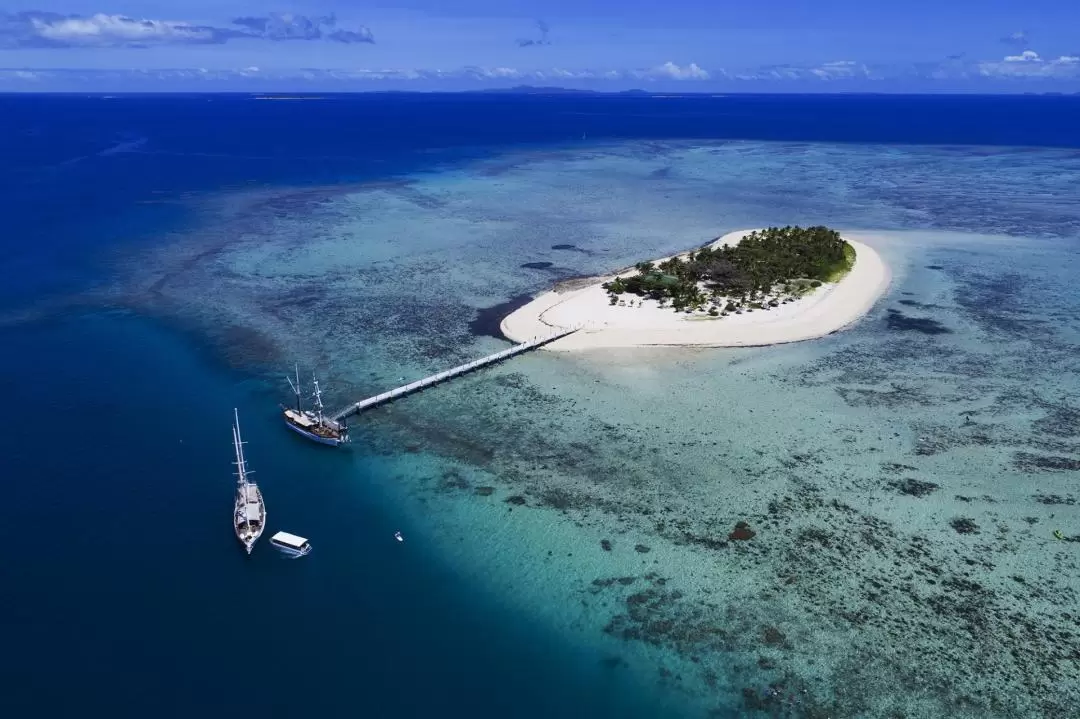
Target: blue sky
[686, 45]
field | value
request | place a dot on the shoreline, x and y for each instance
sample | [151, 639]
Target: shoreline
[828, 309]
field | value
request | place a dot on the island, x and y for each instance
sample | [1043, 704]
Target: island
[747, 288]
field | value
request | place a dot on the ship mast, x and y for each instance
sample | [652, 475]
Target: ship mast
[241, 464]
[318, 399]
[238, 445]
[296, 388]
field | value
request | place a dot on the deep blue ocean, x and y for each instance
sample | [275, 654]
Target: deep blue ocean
[124, 592]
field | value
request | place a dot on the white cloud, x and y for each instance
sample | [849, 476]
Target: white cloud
[840, 69]
[289, 26]
[101, 29]
[829, 71]
[559, 73]
[1025, 56]
[671, 71]
[1029, 64]
[667, 71]
[498, 72]
[53, 30]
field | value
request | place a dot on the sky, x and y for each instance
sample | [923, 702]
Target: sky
[677, 45]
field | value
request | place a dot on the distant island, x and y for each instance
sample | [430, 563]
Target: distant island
[748, 288]
[554, 90]
[766, 268]
[286, 97]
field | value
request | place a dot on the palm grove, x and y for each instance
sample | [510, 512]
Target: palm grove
[767, 267]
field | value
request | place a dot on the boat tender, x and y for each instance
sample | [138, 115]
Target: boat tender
[291, 544]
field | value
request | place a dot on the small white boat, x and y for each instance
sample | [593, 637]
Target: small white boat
[291, 544]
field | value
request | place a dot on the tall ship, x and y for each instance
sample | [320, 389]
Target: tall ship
[313, 423]
[249, 515]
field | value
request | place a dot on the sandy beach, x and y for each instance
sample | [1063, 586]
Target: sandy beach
[823, 311]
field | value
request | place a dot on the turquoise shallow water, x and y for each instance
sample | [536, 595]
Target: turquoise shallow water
[903, 478]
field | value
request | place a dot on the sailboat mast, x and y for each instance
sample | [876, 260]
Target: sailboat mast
[295, 386]
[241, 465]
[318, 399]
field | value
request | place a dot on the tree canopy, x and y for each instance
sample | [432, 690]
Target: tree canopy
[757, 264]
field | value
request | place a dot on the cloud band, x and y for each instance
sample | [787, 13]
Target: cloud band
[54, 30]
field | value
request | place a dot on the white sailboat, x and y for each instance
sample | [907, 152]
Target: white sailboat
[249, 514]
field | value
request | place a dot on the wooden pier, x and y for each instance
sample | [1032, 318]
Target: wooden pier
[380, 399]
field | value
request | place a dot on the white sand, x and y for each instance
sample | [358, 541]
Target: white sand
[823, 311]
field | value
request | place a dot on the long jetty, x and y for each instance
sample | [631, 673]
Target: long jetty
[385, 397]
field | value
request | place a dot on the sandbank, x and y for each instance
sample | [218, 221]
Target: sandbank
[825, 310]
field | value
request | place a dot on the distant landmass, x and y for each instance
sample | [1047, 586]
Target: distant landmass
[539, 90]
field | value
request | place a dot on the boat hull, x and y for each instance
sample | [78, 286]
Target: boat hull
[247, 539]
[329, 441]
[246, 527]
[291, 552]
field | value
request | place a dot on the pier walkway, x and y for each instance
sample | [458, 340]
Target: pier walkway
[435, 379]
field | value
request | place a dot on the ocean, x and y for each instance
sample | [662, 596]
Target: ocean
[566, 518]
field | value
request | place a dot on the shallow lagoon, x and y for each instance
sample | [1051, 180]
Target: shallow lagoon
[903, 479]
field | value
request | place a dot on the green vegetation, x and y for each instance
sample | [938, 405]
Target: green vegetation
[845, 267]
[763, 270]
